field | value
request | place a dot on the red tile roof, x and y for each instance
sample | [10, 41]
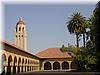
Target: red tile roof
[14, 46]
[53, 53]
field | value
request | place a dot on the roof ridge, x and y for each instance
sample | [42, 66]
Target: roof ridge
[46, 50]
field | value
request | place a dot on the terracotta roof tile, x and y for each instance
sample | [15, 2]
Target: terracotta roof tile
[53, 53]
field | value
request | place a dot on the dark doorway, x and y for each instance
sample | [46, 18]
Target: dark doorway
[47, 66]
[19, 61]
[65, 65]
[9, 65]
[14, 67]
[73, 65]
[56, 66]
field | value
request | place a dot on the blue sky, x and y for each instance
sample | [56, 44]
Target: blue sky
[45, 24]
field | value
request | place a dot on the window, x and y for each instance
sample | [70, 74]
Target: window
[19, 28]
[23, 29]
[16, 29]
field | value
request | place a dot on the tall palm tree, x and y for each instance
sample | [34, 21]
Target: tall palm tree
[76, 25]
[83, 32]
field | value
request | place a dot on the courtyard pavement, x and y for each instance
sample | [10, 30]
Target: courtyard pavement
[58, 73]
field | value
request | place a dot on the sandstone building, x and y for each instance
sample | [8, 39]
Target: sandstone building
[16, 58]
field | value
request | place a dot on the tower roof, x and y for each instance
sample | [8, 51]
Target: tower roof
[20, 21]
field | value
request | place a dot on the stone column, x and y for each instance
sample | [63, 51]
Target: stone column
[16, 64]
[20, 68]
[42, 67]
[5, 69]
[60, 65]
[16, 69]
[31, 67]
[52, 65]
[11, 64]
[26, 68]
[23, 68]
[69, 64]
[11, 69]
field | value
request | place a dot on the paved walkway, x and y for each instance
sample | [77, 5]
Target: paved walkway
[58, 73]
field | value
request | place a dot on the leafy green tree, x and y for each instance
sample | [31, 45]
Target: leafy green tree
[72, 48]
[63, 49]
[75, 25]
[97, 25]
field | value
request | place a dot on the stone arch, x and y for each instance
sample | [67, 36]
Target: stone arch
[73, 65]
[3, 62]
[22, 64]
[56, 65]
[65, 65]
[9, 65]
[14, 63]
[19, 62]
[47, 66]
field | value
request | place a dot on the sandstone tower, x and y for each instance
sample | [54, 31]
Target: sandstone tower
[20, 35]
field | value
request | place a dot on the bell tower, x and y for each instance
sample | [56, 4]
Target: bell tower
[20, 35]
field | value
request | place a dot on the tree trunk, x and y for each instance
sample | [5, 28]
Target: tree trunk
[84, 40]
[77, 40]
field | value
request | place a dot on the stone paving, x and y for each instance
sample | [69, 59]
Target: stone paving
[58, 73]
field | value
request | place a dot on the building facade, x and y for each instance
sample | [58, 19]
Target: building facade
[53, 59]
[20, 36]
[16, 58]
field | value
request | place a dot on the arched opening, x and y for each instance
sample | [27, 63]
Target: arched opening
[73, 65]
[16, 29]
[28, 66]
[56, 66]
[3, 63]
[22, 64]
[32, 68]
[47, 66]
[19, 61]
[19, 28]
[65, 65]
[9, 65]
[14, 67]
[25, 63]
[23, 29]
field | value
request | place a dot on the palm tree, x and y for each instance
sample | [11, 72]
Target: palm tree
[76, 25]
[83, 32]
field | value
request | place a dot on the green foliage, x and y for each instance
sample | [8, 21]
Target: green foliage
[88, 56]
[40, 64]
[63, 49]
[72, 48]
[77, 25]
[91, 59]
